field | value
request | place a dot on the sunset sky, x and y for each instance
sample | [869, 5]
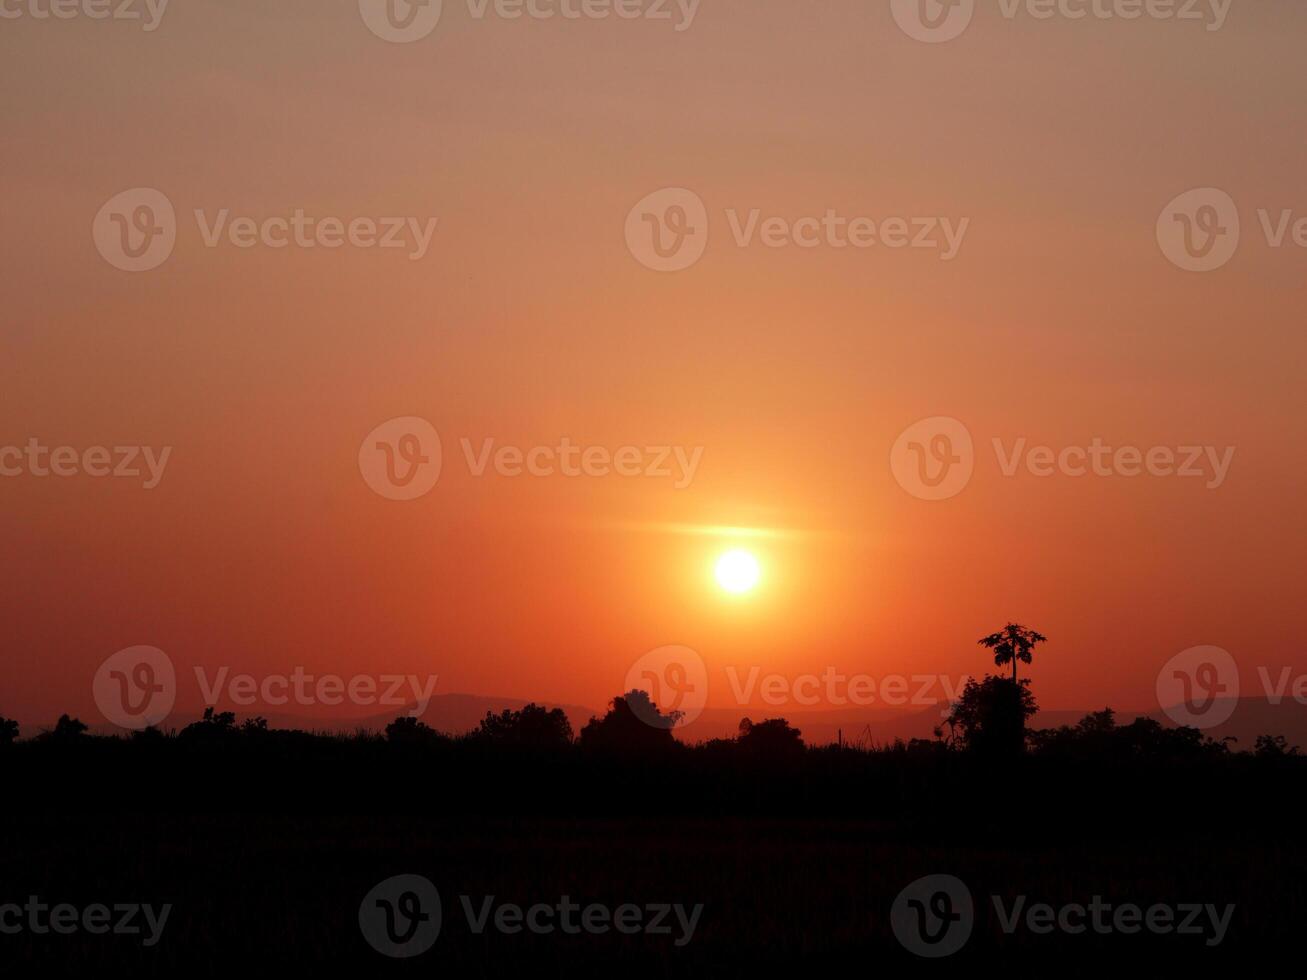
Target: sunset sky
[529, 321]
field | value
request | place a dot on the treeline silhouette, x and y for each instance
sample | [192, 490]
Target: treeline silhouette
[267, 839]
[984, 761]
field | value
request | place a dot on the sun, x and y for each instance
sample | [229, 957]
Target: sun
[737, 571]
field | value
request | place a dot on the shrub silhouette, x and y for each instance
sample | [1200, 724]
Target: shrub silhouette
[66, 729]
[772, 739]
[214, 725]
[633, 725]
[1097, 737]
[407, 730]
[989, 718]
[1273, 747]
[534, 727]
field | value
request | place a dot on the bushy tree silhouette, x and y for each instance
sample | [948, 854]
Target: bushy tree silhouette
[1097, 737]
[534, 727]
[66, 729]
[633, 725]
[772, 739]
[989, 718]
[8, 731]
[1273, 747]
[408, 730]
[214, 725]
[1097, 723]
[1011, 644]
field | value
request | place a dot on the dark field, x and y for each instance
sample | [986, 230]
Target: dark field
[266, 850]
[285, 891]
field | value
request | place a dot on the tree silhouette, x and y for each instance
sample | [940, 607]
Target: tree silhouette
[409, 730]
[1097, 737]
[633, 725]
[66, 729]
[989, 718]
[8, 731]
[1273, 747]
[773, 738]
[1012, 643]
[533, 727]
[214, 724]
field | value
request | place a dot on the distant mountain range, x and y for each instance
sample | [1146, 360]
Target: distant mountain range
[459, 713]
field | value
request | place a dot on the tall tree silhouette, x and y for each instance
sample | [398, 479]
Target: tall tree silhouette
[1012, 643]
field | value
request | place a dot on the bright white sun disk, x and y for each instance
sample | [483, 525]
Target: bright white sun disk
[738, 571]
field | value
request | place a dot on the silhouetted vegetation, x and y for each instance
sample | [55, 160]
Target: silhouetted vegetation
[66, 729]
[527, 760]
[1098, 737]
[407, 730]
[1011, 644]
[1273, 747]
[770, 739]
[633, 726]
[533, 727]
[989, 717]
[266, 839]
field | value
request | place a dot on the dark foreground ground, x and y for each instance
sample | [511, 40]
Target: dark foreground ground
[266, 853]
[276, 893]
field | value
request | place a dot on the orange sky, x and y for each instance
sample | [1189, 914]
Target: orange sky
[1059, 320]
